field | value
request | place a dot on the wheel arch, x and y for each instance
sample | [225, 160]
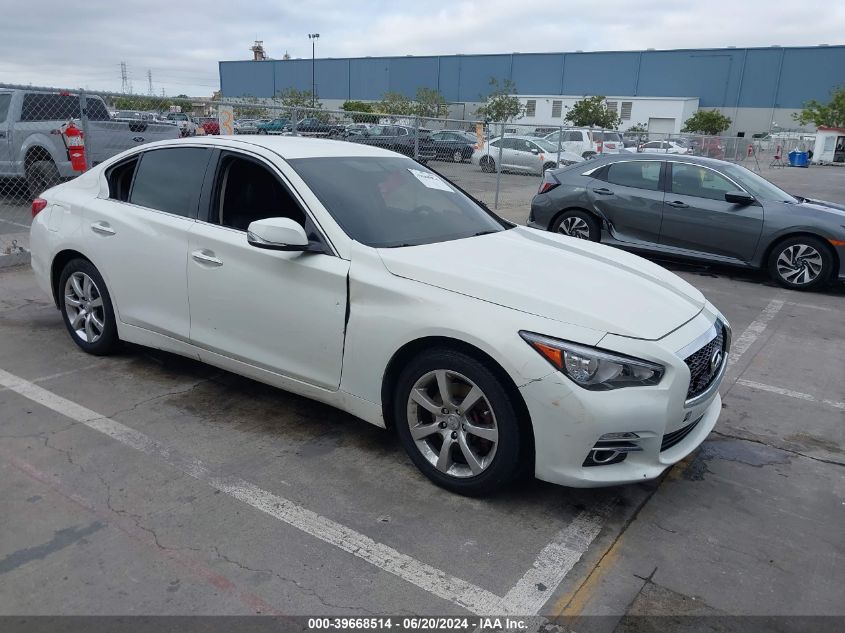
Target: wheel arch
[58, 265]
[411, 349]
[767, 253]
[592, 212]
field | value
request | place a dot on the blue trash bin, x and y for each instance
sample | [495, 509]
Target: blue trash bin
[792, 157]
[798, 159]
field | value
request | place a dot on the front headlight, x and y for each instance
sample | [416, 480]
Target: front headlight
[592, 368]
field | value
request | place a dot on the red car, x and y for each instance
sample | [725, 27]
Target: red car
[210, 125]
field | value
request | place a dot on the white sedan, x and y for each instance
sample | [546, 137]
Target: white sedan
[664, 147]
[357, 277]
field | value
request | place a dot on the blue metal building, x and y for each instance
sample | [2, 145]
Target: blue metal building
[731, 79]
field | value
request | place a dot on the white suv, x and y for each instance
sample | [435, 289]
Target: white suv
[586, 142]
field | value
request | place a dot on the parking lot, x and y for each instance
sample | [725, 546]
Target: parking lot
[148, 483]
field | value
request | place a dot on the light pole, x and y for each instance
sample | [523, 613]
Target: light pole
[313, 37]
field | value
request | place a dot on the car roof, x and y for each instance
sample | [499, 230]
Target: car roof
[284, 146]
[685, 158]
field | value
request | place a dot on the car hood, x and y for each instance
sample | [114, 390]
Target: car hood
[557, 277]
[837, 210]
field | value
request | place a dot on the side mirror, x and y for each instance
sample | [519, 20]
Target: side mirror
[277, 234]
[739, 197]
[535, 151]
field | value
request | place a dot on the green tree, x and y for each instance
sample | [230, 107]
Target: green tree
[501, 104]
[293, 98]
[429, 103]
[358, 111]
[831, 114]
[707, 122]
[592, 112]
[395, 103]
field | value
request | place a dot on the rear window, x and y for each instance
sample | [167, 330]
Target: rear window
[170, 179]
[43, 106]
[5, 100]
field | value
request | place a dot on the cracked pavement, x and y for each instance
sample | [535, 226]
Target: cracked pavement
[749, 524]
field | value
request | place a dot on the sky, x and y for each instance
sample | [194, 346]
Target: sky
[82, 44]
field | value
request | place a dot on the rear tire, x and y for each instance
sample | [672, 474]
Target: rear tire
[41, 175]
[801, 263]
[487, 164]
[471, 452]
[458, 156]
[86, 308]
[588, 155]
[578, 224]
[547, 167]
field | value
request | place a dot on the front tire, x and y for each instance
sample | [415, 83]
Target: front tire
[86, 308]
[488, 165]
[457, 422]
[458, 156]
[801, 263]
[579, 224]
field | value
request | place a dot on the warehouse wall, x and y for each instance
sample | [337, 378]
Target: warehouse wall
[723, 78]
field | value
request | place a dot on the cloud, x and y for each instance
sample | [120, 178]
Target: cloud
[82, 44]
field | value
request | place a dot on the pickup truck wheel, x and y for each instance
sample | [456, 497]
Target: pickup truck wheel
[487, 164]
[41, 175]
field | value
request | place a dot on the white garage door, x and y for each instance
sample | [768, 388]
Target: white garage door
[661, 126]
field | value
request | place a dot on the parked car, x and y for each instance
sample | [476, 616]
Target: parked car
[696, 208]
[274, 126]
[525, 154]
[133, 115]
[399, 138]
[356, 128]
[246, 126]
[31, 148]
[454, 145]
[210, 125]
[431, 315]
[576, 141]
[664, 147]
[186, 124]
[608, 141]
[312, 126]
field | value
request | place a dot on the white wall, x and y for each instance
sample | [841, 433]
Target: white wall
[642, 109]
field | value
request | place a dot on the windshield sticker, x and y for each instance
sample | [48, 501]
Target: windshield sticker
[430, 180]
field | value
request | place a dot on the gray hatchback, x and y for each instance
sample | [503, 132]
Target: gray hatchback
[695, 208]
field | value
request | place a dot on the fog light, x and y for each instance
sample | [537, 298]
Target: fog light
[627, 435]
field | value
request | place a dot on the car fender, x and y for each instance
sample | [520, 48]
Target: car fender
[49, 143]
[768, 240]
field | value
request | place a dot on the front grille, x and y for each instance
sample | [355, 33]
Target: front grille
[675, 437]
[699, 363]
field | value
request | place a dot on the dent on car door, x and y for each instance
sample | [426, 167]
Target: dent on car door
[277, 310]
[629, 194]
[697, 218]
[139, 236]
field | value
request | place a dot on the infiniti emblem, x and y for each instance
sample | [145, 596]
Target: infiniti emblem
[715, 360]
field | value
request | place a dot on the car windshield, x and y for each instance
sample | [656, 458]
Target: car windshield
[757, 186]
[387, 202]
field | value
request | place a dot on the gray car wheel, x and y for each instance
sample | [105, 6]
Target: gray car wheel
[458, 156]
[487, 164]
[800, 263]
[578, 224]
[86, 308]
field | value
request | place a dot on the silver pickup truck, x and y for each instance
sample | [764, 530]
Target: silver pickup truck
[32, 147]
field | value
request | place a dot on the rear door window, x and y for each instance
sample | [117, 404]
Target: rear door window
[642, 174]
[170, 179]
[5, 100]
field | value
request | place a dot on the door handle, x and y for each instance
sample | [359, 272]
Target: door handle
[604, 191]
[678, 204]
[102, 228]
[206, 257]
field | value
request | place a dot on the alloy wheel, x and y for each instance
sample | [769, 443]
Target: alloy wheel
[575, 227]
[458, 156]
[799, 264]
[452, 423]
[84, 307]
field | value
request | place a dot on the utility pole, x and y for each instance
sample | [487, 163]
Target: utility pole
[149, 82]
[124, 80]
[313, 37]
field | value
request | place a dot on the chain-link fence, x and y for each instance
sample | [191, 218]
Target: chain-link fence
[501, 164]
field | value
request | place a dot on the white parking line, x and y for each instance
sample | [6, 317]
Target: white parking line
[790, 393]
[753, 331]
[556, 560]
[552, 565]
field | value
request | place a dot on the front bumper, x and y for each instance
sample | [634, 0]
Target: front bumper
[569, 421]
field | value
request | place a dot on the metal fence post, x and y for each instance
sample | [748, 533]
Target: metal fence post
[559, 143]
[416, 137]
[499, 166]
[294, 115]
[83, 112]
